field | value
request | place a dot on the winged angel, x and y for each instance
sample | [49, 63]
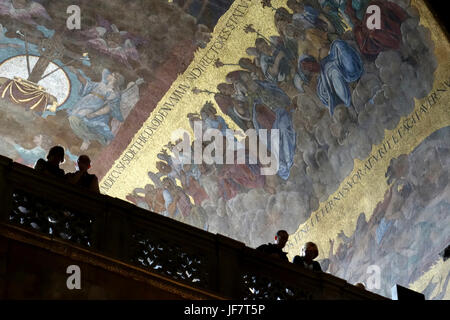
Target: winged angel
[103, 107]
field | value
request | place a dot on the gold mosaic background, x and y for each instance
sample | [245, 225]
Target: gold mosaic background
[362, 198]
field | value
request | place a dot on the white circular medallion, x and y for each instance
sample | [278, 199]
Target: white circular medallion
[57, 84]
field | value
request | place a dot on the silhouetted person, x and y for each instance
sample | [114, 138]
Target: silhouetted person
[308, 253]
[81, 177]
[360, 285]
[54, 158]
[276, 249]
[446, 253]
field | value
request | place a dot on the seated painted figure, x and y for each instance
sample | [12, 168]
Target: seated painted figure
[99, 103]
[341, 67]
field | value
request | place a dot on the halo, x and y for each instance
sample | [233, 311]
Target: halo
[57, 84]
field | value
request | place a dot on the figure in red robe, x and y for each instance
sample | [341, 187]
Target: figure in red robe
[388, 37]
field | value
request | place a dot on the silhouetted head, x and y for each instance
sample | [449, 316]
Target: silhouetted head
[360, 285]
[84, 163]
[310, 251]
[281, 238]
[56, 155]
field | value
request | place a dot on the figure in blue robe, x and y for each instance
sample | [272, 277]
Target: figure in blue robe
[342, 66]
[100, 102]
[275, 98]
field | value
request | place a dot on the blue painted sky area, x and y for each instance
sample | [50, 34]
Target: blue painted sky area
[8, 52]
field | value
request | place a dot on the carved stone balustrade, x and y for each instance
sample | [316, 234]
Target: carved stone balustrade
[44, 210]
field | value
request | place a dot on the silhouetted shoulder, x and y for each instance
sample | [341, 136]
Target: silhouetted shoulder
[70, 174]
[264, 247]
[94, 184]
[45, 167]
[40, 165]
[298, 260]
[316, 266]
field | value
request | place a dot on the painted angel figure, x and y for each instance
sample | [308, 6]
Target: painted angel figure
[100, 103]
[23, 10]
[109, 40]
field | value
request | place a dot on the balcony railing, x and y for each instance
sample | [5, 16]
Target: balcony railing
[120, 230]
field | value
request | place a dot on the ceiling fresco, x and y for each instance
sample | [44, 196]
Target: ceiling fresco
[359, 118]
